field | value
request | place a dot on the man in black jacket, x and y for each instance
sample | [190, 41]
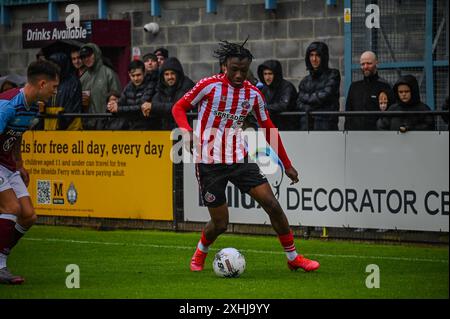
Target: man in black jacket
[363, 94]
[280, 94]
[319, 91]
[173, 84]
[136, 93]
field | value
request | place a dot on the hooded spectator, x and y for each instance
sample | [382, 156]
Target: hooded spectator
[280, 94]
[407, 93]
[173, 84]
[96, 82]
[319, 91]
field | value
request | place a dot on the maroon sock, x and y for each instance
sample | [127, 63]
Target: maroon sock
[16, 236]
[7, 231]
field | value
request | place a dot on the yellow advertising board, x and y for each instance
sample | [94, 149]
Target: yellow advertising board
[110, 174]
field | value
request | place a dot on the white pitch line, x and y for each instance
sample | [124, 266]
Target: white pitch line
[243, 250]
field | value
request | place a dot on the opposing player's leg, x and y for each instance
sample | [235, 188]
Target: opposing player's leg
[16, 217]
[263, 194]
[9, 210]
[25, 220]
[216, 226]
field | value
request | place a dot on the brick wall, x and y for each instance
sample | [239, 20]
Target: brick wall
[191, 34]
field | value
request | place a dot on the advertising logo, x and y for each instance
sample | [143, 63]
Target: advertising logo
[58, 194]
[72, 194]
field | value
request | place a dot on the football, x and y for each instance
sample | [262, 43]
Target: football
[229, 263]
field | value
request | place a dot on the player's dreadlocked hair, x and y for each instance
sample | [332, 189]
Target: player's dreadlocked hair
[232, 50]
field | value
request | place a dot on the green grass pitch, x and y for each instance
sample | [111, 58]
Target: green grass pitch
[155, 264]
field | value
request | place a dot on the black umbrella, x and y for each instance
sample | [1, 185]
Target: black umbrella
[64, 46]
[16, 79]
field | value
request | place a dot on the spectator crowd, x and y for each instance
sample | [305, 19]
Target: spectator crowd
[89, 84]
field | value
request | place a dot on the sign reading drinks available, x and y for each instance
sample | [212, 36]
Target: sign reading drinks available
[37, 35]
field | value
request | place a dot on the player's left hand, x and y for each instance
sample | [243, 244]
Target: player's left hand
[293, 175]
[25, 176]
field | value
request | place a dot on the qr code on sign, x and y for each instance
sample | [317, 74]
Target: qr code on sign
[43, 192]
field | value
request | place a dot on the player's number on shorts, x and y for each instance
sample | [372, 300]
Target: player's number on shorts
[73, 280]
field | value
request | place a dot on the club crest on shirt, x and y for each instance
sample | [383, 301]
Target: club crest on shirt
[223, 98]
[209, 197]
[245, 105]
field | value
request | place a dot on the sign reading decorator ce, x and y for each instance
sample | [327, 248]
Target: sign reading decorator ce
[111, 174]
[384, 180]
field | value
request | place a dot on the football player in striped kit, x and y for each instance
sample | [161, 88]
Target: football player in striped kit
[220, 153]
[18, 111]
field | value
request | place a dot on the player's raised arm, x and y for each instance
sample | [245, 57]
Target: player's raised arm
[189, 100]
[179, 113]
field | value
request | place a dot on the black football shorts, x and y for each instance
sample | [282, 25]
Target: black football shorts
[213, 180]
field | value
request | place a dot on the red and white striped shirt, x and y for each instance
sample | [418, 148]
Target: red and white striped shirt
[222, 109]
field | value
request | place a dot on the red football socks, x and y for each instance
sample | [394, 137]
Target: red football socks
[204, 243]
[287, 241]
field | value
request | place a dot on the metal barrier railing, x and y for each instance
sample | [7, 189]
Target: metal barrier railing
[309, 115]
